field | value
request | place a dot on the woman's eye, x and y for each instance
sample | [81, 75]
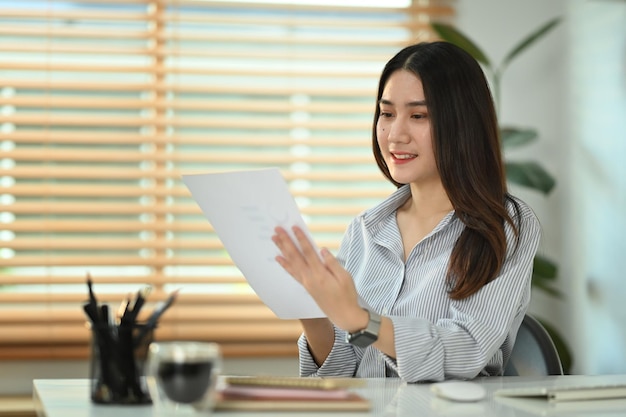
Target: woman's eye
[385, 114]
[418, 116]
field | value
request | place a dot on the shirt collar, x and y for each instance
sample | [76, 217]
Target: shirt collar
[382, 211]
[377, 215]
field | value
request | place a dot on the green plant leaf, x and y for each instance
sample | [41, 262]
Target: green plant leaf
[547, 288]
[513, 137]
[529, 40]
[544, 275]
[544, 267]
[531, 175]
[449, 34]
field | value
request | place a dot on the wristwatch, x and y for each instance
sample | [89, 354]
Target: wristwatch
[365, 337]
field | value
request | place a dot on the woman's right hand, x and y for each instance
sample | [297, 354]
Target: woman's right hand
[322, 276]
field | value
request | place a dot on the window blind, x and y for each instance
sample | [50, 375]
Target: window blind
[104, 104]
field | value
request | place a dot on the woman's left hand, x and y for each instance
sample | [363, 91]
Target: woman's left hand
[330, 285]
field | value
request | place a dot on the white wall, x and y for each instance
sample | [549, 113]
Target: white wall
[595, 226]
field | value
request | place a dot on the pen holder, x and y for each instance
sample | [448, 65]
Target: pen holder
[118, 356]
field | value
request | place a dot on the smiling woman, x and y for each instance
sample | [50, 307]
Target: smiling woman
[105, 104]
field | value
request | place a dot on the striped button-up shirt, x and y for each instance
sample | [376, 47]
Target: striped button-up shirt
[435, 337]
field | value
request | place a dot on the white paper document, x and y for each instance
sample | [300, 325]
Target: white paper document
[244, 207]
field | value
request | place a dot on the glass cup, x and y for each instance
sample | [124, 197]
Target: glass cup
[182, 376]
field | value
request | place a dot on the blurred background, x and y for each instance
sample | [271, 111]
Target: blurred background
[105, 152]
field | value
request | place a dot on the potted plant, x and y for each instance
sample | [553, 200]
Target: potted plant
[528, 174]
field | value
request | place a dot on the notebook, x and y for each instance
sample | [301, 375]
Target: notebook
[568, 393]
[295, 382]
[290, 394]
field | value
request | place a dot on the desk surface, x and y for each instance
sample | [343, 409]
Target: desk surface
[390, 398]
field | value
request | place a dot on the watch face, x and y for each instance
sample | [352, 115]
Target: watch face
[362, 339]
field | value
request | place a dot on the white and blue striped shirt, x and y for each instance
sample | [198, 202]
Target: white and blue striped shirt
[436, 337]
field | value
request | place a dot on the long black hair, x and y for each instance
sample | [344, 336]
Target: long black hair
[466, 145]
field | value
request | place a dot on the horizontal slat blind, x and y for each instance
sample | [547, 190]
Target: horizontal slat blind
[103, 104]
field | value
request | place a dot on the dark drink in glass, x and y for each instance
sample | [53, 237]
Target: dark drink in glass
[182, 376]
[185, 382]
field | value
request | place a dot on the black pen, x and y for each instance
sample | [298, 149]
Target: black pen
[91, 307]
[123, 311]
[104, 314]
[140, 299]
[160, 309]
[92, 296]
[91, 313]
[155, 316]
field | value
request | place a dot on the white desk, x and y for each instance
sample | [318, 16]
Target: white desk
[389, 397]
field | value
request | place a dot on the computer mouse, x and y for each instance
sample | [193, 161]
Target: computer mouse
[464, 391]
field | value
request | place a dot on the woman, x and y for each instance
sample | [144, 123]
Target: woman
[434, 282]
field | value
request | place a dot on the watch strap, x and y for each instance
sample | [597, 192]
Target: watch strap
[369, 335]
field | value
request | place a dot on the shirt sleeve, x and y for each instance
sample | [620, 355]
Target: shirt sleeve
[462, 345]
[341, 362]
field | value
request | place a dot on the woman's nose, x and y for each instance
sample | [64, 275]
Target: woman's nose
[398, 132]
